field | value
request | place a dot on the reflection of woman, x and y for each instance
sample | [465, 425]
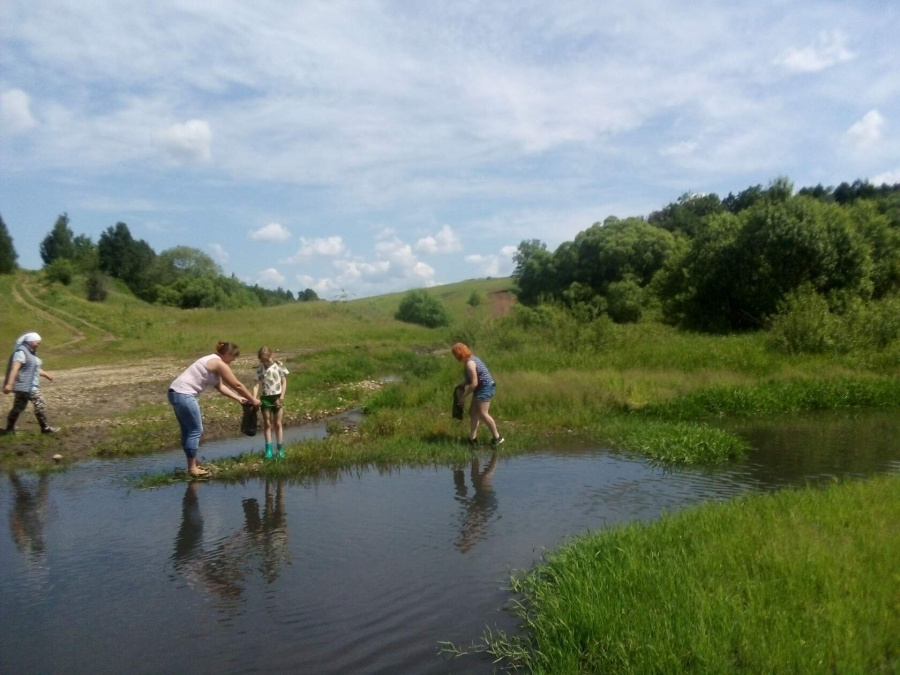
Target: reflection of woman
[28, 515]
[478, 509]
[214, 370]
[217, 573]
[480, 384]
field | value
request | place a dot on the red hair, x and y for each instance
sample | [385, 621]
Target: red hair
[460, 351]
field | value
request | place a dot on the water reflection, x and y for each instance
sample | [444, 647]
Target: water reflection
[223, 570]
[28, 516]
[477, 509]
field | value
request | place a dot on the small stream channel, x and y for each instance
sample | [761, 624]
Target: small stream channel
[365, 572]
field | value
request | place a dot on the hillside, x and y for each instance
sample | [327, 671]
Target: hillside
[123, 328]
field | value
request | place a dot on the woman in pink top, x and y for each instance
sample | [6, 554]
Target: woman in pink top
[213, 370]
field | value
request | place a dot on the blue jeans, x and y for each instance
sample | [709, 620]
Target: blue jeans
[187, 412]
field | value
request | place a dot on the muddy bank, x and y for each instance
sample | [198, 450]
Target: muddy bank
[122, 410]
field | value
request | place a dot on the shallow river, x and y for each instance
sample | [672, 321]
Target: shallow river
[366, 572]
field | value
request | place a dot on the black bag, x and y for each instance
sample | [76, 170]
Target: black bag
[458, 409]
[250, 420]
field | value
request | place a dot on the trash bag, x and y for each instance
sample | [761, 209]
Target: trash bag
[458, 409]
[250, 420]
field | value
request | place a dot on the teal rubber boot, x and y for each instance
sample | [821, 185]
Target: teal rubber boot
[280, 451]
[269, 454]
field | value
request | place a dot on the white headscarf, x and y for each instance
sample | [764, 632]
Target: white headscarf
[28, 337]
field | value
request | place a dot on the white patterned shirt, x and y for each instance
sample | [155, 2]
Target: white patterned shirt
[270, 378]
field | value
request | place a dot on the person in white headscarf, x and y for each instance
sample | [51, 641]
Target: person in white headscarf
[23, 373]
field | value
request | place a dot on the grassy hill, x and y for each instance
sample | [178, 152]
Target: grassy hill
[78, 332]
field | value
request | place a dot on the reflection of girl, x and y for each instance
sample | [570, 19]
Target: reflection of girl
[214, 370]
[478, 509]
[480, 384]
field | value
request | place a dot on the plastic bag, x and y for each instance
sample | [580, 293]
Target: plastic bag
[250, 420]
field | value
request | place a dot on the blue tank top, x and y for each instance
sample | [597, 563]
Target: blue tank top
[484, 375]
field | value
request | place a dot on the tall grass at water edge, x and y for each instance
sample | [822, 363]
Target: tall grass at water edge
[801, 581]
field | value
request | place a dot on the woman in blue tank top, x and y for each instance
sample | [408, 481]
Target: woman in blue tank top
[481, 385]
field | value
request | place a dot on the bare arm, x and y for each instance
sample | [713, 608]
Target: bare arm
[229, 385]
[471, 379]
[13, 371]
[43, 373]
[283, 390]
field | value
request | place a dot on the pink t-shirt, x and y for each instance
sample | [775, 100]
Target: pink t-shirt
[196, 378]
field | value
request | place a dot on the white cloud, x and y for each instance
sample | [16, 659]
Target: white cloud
[830, 50]
[322, 246]
[270, 277]
[15, 112]
[445, 241]
[188, 142]
[219, 253]
[305, 280]
[679, 149]
[867, 131]
[887, 178]
[397, 251]
[273, 232]
[494, 265]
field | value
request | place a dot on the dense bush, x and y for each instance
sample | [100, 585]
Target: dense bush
[625, 300]
[60, 270]
[475, 299]
[421, 308]
[96, 287]
[722, 265]
[807, 324]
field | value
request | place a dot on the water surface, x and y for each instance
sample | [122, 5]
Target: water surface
[365, 572]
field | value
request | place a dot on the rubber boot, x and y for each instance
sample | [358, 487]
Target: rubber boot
[269, 454]
[281, 451]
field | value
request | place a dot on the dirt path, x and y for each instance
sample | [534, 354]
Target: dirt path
[78, 335]
[501, 303]
[56, 312]
[93, 402]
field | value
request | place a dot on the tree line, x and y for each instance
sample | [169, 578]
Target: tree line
[728, 264]
[179, 277]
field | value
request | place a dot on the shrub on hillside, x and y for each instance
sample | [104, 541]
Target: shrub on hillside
[475, 299]
[59, 270]
[421, 308]
[96, 287]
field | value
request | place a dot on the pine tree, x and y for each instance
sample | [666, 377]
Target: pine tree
[8, 253]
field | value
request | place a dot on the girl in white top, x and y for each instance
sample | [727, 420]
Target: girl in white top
[212, 370]
[271, 375]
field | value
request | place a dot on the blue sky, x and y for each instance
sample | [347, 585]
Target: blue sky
[366, 147]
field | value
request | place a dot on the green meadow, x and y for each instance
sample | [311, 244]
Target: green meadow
[800, 581]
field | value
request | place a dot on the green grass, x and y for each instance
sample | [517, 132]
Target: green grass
[801, 581]
[645, 388]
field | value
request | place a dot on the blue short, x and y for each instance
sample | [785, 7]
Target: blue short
[485, 392]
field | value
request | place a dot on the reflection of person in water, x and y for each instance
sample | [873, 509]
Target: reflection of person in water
[478, 509]
[28, 515]
[269, 533]
[222, 570]
[216, 572]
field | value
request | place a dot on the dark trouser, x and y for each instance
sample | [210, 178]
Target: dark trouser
[19, 405]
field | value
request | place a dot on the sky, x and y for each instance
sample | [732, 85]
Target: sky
[359, 148]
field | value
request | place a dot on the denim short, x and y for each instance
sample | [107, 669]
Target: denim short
[485, 392]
